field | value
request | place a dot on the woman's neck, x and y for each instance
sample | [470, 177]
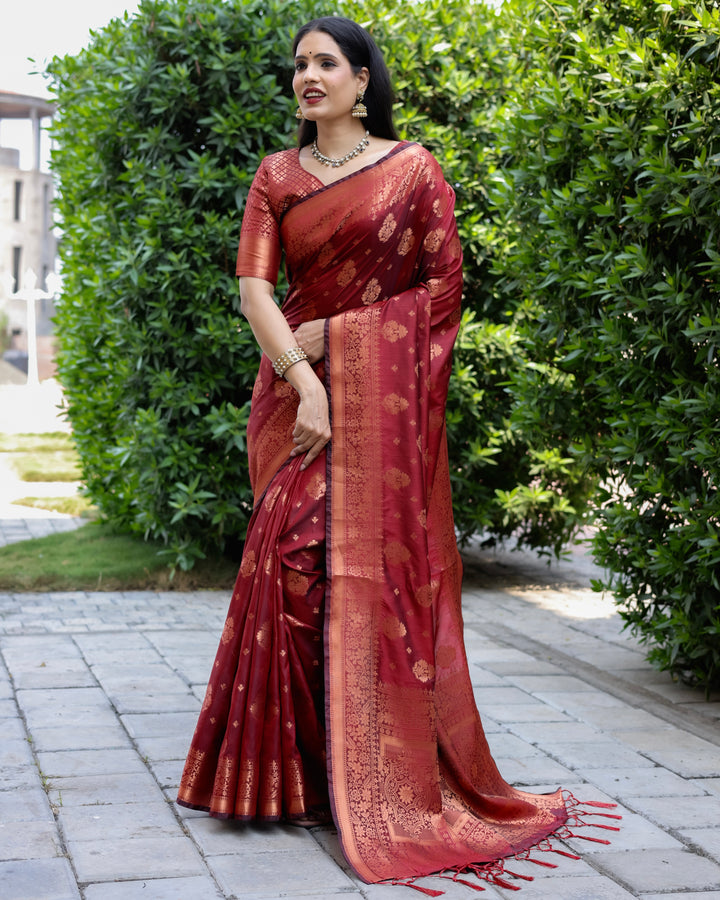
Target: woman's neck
[338, 139]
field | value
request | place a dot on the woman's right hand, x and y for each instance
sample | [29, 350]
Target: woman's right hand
[312, 423]
[311, 337]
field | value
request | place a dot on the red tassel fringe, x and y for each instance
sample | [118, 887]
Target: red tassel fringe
[497, 874]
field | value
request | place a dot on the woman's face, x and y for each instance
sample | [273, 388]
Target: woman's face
[324, 83]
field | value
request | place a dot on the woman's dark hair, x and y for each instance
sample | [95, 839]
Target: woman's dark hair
[361, 51]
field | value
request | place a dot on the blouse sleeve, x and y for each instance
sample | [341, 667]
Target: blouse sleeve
[259, 250]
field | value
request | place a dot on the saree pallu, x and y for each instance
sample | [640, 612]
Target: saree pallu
[412, 784]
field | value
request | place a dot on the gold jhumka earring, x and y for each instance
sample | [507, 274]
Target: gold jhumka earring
[359, 111]
[298, 113]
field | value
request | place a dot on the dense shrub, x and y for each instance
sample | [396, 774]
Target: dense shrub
[612, 193]
[163, 121]
[455, 65]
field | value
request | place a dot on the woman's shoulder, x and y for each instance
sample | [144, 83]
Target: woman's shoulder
[279, 176]
[280, 161]
[426, 166]
[422, 154]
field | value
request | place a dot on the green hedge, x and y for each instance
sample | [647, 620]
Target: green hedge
[163, 120]
[611, 194]
[455, 66]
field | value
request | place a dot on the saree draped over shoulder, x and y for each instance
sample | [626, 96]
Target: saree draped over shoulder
[341, 680]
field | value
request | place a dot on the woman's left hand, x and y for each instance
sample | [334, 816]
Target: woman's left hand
[311, 337]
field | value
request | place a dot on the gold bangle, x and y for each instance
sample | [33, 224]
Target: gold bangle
[287, 359]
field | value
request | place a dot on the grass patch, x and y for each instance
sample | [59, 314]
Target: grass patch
[97, 557]
[42, 457]
[76, 505]
[36, 443]
[53, 465]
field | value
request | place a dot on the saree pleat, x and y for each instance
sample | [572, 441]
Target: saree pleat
[341, 676]
[259, 745]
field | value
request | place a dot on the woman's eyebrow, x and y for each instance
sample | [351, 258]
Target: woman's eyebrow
[317, 56]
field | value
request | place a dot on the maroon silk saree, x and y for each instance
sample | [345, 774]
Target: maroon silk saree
[341, 680]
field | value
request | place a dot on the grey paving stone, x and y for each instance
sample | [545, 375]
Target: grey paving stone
[59, 673]
[679, 812]
[63, 698]
[31, 840]
[25, 805]
[531, 770]
[197, 671]
[612, 659]
[197, 888]
[658, 739]
[118, 821]
[182, 812]
[80, 738]
[707, 839]
[65, 763]
[63, 716]
[552, 734]
[452, 891]
[139, 702]
[178, 645]
[15, 751]
[157, 725]
[540, 685]
[285, 873]
[91, 790]
[617, 720]
[682, 895]
[509, 662]
[17, 777]
[26, 650]
[483, 678]
[683, 753]
[167, 772]
[504, 745]
[592, 887]
[117, 647]
[640, 782]
[218, 837]
[490, 726]
[13, 730]
[710, 784]
[635, 833]
[8, 708]
[660, 870]
[660, 683]
[165, 748]
[121, 655]
[38, 879]
[577, 703]
[602, 753]
[157, 677]
[500, 696]
[169, 856]
[534, 711]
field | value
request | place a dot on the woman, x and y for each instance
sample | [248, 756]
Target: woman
[341, 684]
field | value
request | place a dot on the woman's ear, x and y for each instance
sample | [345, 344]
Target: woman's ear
[363, 79]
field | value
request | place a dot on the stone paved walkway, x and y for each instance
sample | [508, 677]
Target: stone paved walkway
[99, 693]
